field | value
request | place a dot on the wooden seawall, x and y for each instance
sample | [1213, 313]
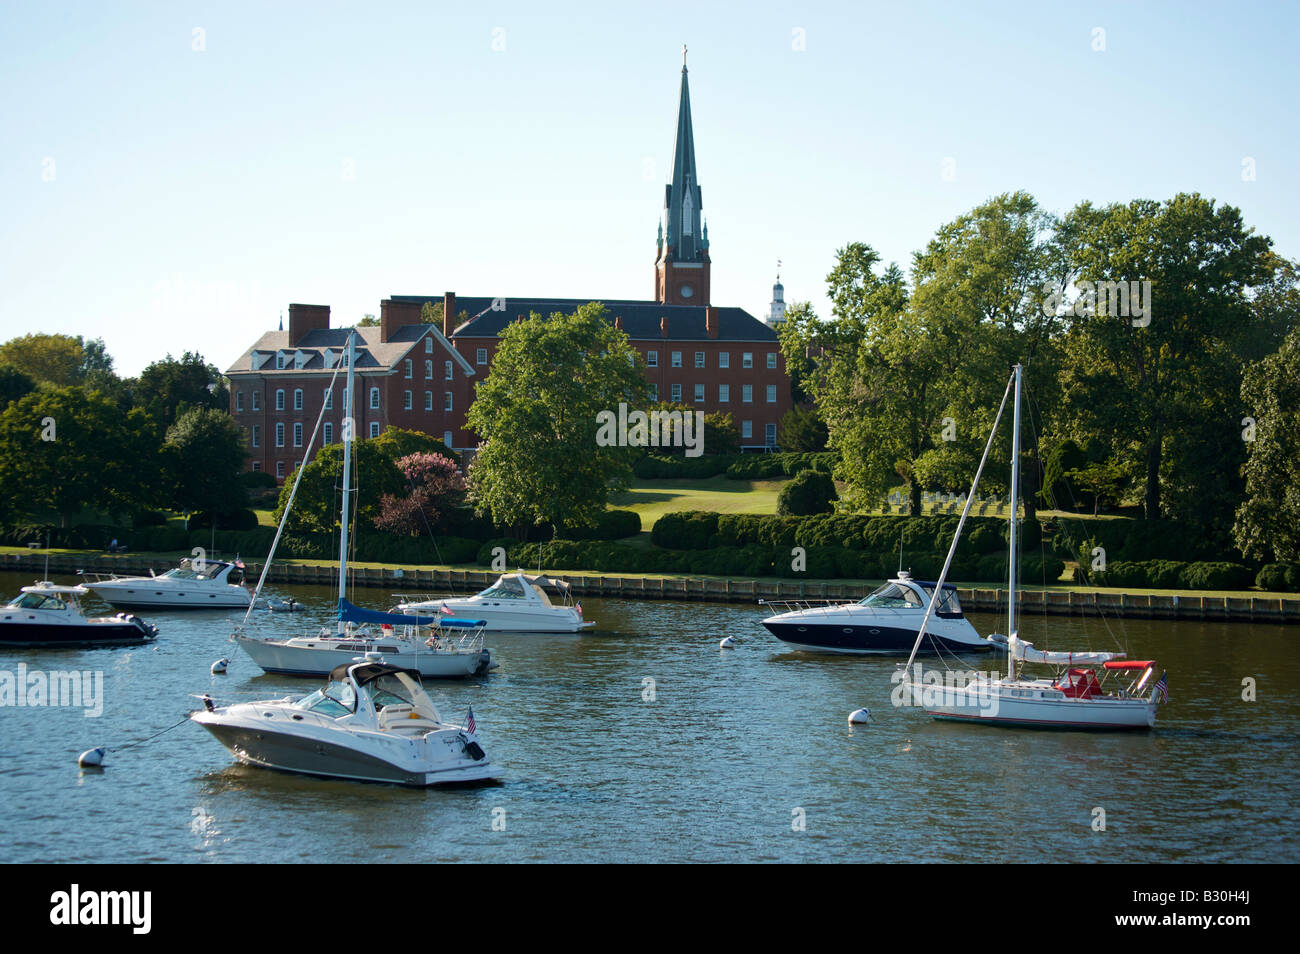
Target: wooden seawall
[1053, 602]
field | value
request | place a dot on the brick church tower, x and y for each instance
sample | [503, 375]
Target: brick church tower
[682, 262]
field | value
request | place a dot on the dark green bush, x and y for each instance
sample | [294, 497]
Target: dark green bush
[1279, 577]
[610, 525]
[229, 520]
[810, 492]
[1215, 576]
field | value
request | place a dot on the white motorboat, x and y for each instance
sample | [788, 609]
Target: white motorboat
[515, 603]
[195, 584]
[884, 622]
[435, 647]
[442, 652]
[373, 722]
[47, 615]
[1075, 697]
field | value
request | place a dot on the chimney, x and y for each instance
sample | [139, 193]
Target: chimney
[304, 319]
[663, 326]
[711, 321]
[448, 313]
[396, 314]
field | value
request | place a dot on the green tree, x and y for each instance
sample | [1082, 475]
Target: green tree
[64, 449]
[14, 384]
[375, 474]
[205, 455]
[1163, 388]
[167, 388]
[57, 360]
[539, 462]
[1268, 521]
[802, 430]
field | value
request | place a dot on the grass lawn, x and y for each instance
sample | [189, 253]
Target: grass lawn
[654, 498]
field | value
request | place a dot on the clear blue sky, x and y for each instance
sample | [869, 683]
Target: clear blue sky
[194, 194]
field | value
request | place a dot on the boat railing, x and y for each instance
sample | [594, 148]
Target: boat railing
[796, 605]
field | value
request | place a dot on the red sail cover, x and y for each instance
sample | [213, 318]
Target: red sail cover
[1129, 663]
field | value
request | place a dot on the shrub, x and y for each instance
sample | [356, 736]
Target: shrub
[810, 492]
[610, 525]
[1215, 576]
[1279, 577]
[229, 520]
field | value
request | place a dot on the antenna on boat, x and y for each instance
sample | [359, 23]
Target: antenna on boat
[901, 530]
[47, 556]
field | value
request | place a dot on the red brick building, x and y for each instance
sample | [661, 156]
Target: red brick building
[421, 377]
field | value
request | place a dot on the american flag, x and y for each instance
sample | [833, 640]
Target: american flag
[443, 609]
[1162, 687]
[579, 609]
[469, 721]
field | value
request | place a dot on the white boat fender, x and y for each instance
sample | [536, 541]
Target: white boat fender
[92, 758]
[728, 642]
[859, 716]
[219, 667]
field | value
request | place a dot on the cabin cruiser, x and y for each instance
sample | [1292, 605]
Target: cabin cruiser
[373, 722]
[437, 647]
[48, 615]
[515, 603]
[884, 622]
[195, 584]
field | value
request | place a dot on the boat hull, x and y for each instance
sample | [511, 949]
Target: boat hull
[284, 660]
[554, 621]
[997, 707]
[858, 638]
[141, 598]
[318, 755]
[55, 636]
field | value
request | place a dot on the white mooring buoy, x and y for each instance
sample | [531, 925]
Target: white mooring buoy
[92, 758]
[219, 667]
[728, 642]
[859, 716]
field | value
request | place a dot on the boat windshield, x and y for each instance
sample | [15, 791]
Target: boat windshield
[948, 604]
[185, 573]
[335, 700]
[893, 596]
[507, 588]
[39, 601]
[389, 691]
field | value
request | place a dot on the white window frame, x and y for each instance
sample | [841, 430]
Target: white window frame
[408, 400]
[374, 429]
[480, 356]
[771, 360]
[279, 399]
[747, 359]
[676, 359]
[676, 392]
[448, 371]
[652, 359]
[374, 399]
[747, 394]
[724, 393]
[448, 401]
[747, 430]
[699, 393]
[771, 394]
[279, 434]
[699, 359]
[297, 433]
[428, 400]
[297, 399]
[724, 359]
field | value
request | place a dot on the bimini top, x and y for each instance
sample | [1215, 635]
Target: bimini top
[370, 671]
[45, 586]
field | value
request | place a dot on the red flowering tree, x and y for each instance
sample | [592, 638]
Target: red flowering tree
[435, 486]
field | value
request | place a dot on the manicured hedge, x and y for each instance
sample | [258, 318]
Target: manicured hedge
[763, 466]
[1279, 577]
[610, 525]
[658, 467]
[1176, 575]
[1132, 540]
[810, 492]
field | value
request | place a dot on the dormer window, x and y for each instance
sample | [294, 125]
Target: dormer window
[279, 361]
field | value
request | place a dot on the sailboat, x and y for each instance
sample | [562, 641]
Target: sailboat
[431, 646]
[1088, 690]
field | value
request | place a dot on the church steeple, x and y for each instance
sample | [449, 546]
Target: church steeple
[682, 263]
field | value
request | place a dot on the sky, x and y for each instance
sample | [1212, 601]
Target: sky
[172, 176]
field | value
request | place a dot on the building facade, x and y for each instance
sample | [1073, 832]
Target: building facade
[422, 377]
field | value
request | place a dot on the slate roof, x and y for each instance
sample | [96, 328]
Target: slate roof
[640, 318]
[372, 354]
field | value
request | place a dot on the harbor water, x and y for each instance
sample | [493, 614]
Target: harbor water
[645, 741]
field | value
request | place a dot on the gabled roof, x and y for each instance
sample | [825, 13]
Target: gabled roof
[641, 319]
[372, 354]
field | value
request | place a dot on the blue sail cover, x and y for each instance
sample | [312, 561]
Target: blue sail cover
[348, 613]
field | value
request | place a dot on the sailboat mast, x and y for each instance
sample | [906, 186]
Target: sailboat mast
[348, 426]
[1015, 504]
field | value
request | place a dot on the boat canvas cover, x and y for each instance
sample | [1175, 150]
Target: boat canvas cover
[348, 613]
[1028, 653]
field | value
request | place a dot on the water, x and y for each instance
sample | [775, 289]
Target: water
[735, 749]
